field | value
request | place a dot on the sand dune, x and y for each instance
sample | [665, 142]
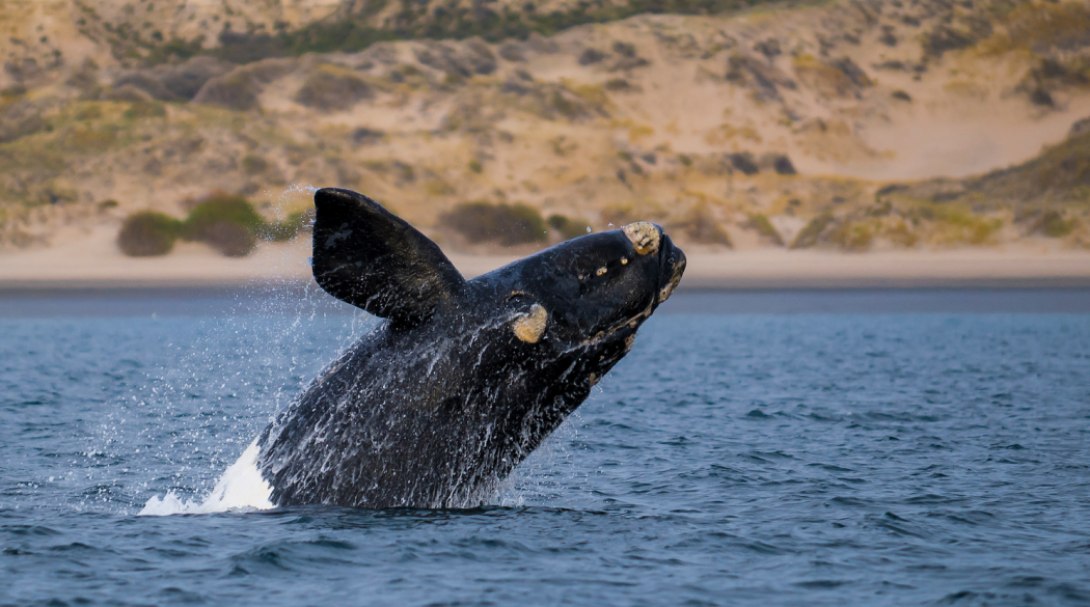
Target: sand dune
[744, 129]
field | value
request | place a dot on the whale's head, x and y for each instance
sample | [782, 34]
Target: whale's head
[548, 326]
[584, 299]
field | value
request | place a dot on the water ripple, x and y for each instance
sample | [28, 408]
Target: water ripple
[749, 459]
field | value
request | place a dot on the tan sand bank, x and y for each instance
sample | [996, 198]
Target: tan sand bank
[93, 261]
[961, 268]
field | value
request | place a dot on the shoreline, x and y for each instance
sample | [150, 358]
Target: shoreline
[197, 289]
[995, 276]
[93, 264]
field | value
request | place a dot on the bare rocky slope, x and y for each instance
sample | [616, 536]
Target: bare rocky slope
[855, 125]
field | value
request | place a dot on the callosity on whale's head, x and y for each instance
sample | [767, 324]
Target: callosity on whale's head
[582, 301]
[465, 378]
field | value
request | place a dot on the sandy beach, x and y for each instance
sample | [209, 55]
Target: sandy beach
[734, 130]
[92, 261]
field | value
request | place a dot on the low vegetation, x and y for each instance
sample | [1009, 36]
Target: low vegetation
[700, 226]
[227, 223]
[952, 224]
[295, 224]
[1060, 174]
[230, 239]
[1054, 225]
[568, 227]
[148, 234]
[504, 224]
[333, 89]
[359, 28]
[811, 234]
[853, 236]
[218, 209]
[764, 228]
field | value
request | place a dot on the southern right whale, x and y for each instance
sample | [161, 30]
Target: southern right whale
[463, 379]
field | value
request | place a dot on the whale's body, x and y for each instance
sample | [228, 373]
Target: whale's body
[465, 378]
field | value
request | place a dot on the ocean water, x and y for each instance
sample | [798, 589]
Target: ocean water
[897, 448]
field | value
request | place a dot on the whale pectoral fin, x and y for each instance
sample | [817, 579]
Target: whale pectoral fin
[368, 257]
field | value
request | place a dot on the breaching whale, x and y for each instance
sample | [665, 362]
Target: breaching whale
[463, 379]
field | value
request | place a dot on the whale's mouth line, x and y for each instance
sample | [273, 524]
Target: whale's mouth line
[675, 278]
[632, 323]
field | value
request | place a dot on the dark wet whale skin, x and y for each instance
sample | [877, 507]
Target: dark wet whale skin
[440, 402]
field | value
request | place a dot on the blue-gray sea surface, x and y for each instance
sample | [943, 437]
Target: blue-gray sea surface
[898, 448]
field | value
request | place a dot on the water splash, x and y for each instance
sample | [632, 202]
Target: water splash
[241, 488]
[223, 387]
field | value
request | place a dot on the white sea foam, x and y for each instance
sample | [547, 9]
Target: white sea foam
[240, 488]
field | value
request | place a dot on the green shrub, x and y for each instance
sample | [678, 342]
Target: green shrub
[405, 172]
[205, 225]
[303, 219]
[1053, 225]
[810, 234]
[706, 232]
[502, 223]
[146, 109]
[701, 227]
[148, 234]
[956, 225]
[617, 215]
[15, 90]
[330, 89]
[230, 239]
[624, 49]
[253, 165]
[568, 227]
[475, 166]
[281, 231]
[222, 208]
[89, 140]
[355, 32]
[88, 112]
[232, 91]
[568, 108]
[901, 234]
[853, 236]
[764, 227]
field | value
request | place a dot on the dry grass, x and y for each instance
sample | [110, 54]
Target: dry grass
[760, 223]
[1036, 25]
[828, 80]
[330, 88]
[504, 224]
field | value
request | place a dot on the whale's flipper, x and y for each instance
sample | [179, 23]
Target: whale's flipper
[368, 257]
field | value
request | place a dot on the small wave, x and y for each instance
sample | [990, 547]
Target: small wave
[241, 488]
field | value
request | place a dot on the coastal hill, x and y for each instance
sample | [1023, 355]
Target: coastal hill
[847, 125]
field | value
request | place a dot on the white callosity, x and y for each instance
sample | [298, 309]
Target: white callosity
[530, 326]
[645, 237]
